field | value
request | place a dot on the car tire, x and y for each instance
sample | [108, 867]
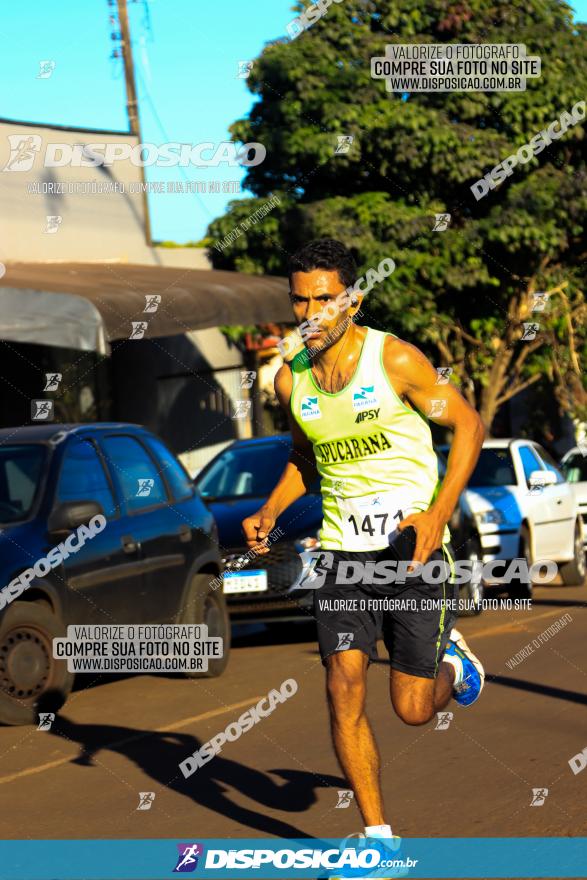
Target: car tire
[31, 679]
[573, 573]
[520, 588]
[206, 605]
[471, 593]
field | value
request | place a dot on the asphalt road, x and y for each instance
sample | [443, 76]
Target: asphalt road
[118, 737]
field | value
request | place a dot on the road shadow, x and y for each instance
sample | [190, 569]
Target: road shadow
[158, 754]
[543, 689]
[289, 632]
[560, 603]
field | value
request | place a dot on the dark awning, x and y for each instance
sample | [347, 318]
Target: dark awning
[88, 305]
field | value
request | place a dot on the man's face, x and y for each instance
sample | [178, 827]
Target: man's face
[310, 293]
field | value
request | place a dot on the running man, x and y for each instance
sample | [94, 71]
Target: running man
[354, 397]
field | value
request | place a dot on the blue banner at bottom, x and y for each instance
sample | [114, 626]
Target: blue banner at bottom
[227, 859]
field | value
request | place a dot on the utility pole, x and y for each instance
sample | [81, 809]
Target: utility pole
[132, 107]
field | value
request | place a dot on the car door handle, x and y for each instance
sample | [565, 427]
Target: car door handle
[185, 533]
[129, 545]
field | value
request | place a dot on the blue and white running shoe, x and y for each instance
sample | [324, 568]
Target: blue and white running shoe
[389, 853]
[467, 690]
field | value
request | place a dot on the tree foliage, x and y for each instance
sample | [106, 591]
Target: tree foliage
[462, 294]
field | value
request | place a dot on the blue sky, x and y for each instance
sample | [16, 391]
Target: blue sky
[186, 65]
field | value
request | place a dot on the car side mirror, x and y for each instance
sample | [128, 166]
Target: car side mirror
[70, 514]
[541, 478]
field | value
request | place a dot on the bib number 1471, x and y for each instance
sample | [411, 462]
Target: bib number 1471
[372, 524]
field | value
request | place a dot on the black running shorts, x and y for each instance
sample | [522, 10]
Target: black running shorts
[415, 617]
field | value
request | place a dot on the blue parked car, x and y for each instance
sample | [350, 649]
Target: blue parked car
[234, 485]
[154, 561]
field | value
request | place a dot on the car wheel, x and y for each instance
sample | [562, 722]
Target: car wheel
[521, 588]
[206, 605]
[573, 572]
[471, 594]
[31, 679]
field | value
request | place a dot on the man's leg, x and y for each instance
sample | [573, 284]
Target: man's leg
[354, 743]
[416, 699]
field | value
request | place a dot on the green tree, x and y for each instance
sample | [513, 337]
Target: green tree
[462, 294]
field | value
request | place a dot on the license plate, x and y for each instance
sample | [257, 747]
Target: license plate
[245, 581]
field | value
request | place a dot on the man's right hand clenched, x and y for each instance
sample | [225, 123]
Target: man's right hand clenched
[257, 528]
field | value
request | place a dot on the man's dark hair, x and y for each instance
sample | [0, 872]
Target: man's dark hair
[325, 253]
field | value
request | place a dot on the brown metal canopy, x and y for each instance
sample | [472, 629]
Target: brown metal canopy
[39, 298]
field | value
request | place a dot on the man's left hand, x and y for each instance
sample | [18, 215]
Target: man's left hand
[429, 527]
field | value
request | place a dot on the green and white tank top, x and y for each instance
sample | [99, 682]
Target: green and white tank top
[373, 453]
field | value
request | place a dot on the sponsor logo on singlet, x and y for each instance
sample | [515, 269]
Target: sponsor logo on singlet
[351, 448]
[368, 415]
[365, 397]
[310, 409]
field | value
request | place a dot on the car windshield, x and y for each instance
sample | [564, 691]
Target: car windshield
[246, 470]
[575, 468]
[494, 468]
[20, 473]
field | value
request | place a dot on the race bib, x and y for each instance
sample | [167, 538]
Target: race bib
[370, 521]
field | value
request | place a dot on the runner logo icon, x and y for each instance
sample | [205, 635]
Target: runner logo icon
[365, 397]
[344, 641]
[187, 860]
[539, 795]
[310, 409]
[444, 719]
[315, 565]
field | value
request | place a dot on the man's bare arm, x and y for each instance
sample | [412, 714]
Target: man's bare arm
[415, 379]
[299, 473]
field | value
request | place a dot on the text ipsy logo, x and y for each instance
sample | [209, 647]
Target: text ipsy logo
[365, 397]
[152, 302]
[138, 329]
[144, 489]
[310, 409]
[441, 222]
[344, 143]
[46, 719]
[367, 415]
[52, 381]
[443, 720]
[247, 378]
[23, 149]
[187, 860]
[42, 410]
[315, 566]
[539, 795]
[443, 375]
[344, 799]
[53, 222]
[46, 68]
[146, 799]
[241, 409]
[345, 641]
